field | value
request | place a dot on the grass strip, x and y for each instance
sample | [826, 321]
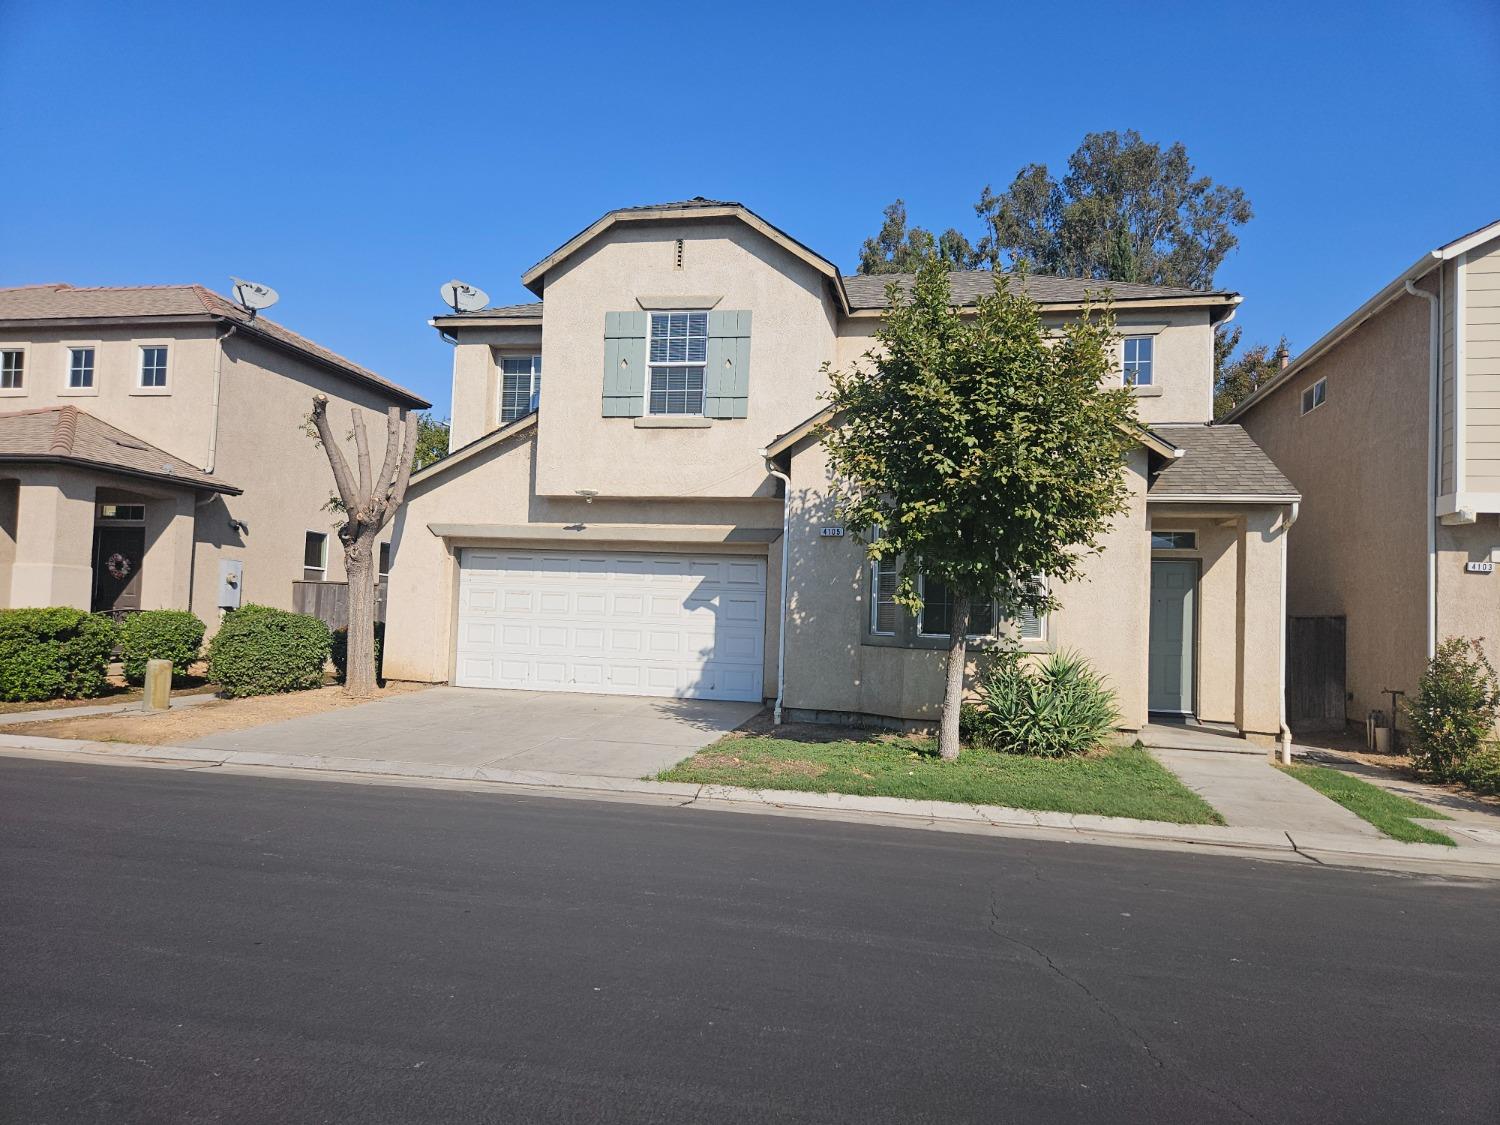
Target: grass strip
[1120, 782]
[1385, 810]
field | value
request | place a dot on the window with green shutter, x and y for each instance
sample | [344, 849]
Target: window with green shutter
[624, 364]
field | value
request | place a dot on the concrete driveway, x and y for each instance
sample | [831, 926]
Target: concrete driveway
[610, 735]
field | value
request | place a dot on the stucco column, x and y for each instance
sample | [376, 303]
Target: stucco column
[54, 540]
[1261, 614]
[167, 569]
[1220, 609]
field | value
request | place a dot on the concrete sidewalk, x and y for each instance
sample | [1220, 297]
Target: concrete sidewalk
[1339, 848]
[1252, 793]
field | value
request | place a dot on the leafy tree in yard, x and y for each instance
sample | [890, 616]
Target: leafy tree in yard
[1453, 716]
[897, 249]
[1235, 380]
[432, 440]
[988, 458]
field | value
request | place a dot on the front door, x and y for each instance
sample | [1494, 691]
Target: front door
[1174, 589]
[117, 568]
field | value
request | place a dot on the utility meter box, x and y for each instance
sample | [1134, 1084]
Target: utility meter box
[231, 582]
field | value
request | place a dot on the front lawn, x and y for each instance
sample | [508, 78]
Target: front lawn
[1122, 782]
[1387, 811]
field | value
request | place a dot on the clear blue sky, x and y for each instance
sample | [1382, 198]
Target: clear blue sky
[355, 156]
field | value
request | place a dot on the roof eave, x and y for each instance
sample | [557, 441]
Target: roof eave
[390, 390]
[1223, 301]
[117, 470]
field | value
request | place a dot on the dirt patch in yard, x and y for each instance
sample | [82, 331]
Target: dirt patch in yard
[182, 727]
[777, 768]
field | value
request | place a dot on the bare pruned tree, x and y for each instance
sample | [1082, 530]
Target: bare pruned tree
[368, 503]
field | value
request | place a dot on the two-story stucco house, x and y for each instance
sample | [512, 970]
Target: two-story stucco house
[1390, 426]
[154, 451]
[657, 518]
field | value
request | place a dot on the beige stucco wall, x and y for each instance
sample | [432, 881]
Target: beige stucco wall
[497, 486]
[791, 336]
[1359, 546]
[476, 378]
[833, 665]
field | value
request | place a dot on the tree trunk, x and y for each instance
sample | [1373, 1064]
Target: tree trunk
[359, 673]
[953, 694]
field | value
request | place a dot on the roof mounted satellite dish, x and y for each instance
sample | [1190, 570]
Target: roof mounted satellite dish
[253, 296]
[462, 298]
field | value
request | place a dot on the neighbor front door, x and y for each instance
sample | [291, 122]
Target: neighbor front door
[1174, 590]
[117, 568]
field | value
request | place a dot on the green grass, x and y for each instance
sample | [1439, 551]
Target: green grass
[1386, 811]
[1122, 782]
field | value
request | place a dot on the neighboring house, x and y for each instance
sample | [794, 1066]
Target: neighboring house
[620, 530]
[1390, 427]
[154, 451]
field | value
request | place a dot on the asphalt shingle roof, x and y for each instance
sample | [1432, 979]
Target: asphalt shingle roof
[1217, 461]
[529, 311]
[65, 302]
[65, 433]
[867, 291]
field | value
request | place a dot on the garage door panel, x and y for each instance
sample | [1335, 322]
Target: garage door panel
[675, 625]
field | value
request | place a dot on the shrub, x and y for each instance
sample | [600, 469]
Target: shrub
[1453, 713]
[54, 653]
[259, 650]
[1052, 709]
[341, 651]
[1482, 771]
[160, 634]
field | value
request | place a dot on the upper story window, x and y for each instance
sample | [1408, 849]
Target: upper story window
[12, 370]
[1315, 395]
[80, 368]
[1139, 355]
[520, 386]
[678, 356]
[153, 366]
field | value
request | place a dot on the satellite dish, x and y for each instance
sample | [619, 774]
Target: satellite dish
[464, 298]
[253, 296]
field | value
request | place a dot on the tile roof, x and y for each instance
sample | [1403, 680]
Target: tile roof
[65, 302]
[65, 433]
[867, 291]
[1217, 461]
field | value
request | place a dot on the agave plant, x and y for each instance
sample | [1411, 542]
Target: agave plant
[1052, 709]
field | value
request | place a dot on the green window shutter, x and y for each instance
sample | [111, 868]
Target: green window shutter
[726, 382]
[624, 364]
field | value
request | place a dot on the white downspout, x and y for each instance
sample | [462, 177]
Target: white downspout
[1434, 420]
[1285, 753]
[786, 499]
[213, 426]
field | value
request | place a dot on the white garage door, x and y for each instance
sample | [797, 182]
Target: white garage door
[625, 624]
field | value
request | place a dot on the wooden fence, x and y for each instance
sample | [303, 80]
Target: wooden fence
[329, 602]
[1315, 673]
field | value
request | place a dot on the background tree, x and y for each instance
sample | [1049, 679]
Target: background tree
[899, 249]
[432, 440]
[1127, 210]
[988, 458]
[1235, 380]
[367, 503]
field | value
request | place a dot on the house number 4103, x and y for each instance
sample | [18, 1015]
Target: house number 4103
[1480, 567]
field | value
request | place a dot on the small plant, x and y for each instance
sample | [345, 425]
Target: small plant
[54, 653]
[340, 654]
[1052, 709]
[1453, 714]
[160, 634]
[1482, 771]
[259, 650]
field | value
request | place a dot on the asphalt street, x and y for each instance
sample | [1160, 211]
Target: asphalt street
[198, 947]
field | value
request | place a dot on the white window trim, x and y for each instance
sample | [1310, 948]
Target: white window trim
[1312, 389]
[26, 372]
[676, 363]
[1150, 338]
[67, 369]
[324, 567]
[500, 356]
[140, 366]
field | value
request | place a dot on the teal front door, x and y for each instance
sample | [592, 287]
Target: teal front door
[1174, 595]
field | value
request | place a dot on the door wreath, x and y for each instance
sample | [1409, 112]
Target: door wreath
[119, 566]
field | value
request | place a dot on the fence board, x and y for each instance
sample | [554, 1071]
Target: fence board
[1315, 689]
[329, 602]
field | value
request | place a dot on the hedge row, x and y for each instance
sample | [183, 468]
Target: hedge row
[53, 653]
[259, 650]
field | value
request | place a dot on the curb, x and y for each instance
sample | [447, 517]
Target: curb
[1265, 843]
